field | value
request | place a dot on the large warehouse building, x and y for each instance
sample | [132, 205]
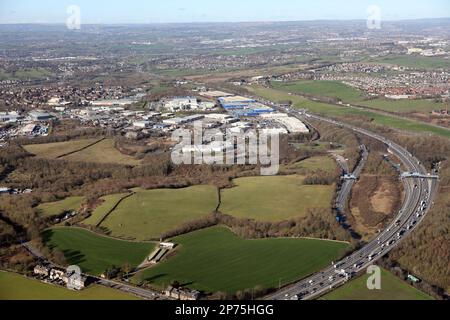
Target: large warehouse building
[293, 125]
[235, 102]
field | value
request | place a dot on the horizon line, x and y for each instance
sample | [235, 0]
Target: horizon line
[224, 22]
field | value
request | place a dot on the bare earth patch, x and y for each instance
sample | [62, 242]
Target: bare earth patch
[374, 202]
[383, 200]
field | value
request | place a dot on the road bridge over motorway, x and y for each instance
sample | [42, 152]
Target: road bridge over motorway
[419, 175]
[420, 190]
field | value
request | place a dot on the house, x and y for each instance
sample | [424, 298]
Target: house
[57, 274]
[182, 293]
[41, 270]
[75, 281]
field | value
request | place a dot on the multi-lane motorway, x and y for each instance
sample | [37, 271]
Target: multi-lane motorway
[419, 194]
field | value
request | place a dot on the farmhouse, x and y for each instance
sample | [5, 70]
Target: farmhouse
[75, 281]
[41, 270]
[182, 293]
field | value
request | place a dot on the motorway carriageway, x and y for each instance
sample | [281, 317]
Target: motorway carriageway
[419, 194]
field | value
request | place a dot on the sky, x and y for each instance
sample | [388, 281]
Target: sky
[178, 11]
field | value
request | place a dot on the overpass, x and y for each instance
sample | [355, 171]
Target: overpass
[419, 188]
[418, 175]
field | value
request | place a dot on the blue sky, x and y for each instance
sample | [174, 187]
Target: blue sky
[157, 11]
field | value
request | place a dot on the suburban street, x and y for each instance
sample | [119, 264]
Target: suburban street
[420, 189]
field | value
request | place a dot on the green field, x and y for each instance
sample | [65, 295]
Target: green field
[416, 62]
[275, 198]
[109, 202]
[56, 208]
[215, 259]
[316, 163]
[342, 112]
[93, 253]
[57, 149]
[17, 287]
[331, 89]
[392, 288]
[350, 95]
[403, 106]
[149, 213]
[103, 152]
[25, 74]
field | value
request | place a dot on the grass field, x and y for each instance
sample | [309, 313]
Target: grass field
[57, 149]
[350, 95]
[403, 106]
[323, 163]
[215, 259]
[275, 198]
[416, 62]
[342, 112]
[55, 208]
[104, 208]
[17, 287]
[25, 74]
[149, 213]
[322, 89]
[93, 253]
[103, 152]
[392, 288]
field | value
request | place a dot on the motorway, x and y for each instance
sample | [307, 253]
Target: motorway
[419, 195]
[347, 184]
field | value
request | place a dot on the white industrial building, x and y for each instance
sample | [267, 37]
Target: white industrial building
[141, 124]
[181, 103]
[293, 125]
